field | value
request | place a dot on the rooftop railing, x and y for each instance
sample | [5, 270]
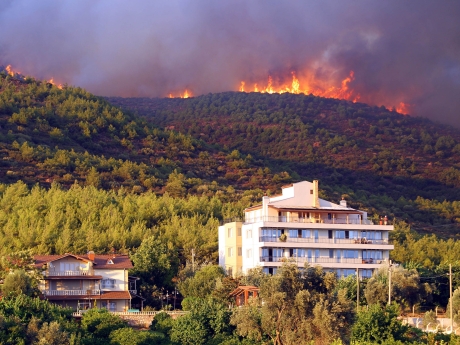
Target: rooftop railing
[294, 219]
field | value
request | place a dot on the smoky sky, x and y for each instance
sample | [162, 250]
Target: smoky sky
[400, 51]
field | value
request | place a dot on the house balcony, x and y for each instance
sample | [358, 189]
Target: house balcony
[326, 240]
[77, 273]
[89, 292]
[319, 220]
[321, 260]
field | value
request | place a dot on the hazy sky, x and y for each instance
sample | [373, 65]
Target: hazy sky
[400, 51]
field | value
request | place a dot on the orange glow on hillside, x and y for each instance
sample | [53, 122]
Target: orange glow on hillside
[51, 81]
[306, 85]
[10, 71]
[185, 94]
[404, 108]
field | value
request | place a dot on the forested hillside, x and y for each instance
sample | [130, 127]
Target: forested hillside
[389, 163]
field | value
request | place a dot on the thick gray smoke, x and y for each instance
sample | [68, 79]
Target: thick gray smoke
[400, 51]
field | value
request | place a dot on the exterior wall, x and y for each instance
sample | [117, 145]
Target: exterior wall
[118, 275]
[230, 247]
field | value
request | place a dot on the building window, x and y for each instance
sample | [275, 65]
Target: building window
[366, 273]
[311, 191]
[293, 233]
[107, 283]
[331, 253]
[240, 251]
[306, 233]
[230, 252]
[350, 254]
[249, 253]
[230, 271]
[249, 234]
[229, 232]
[111, 306]
[239, 231]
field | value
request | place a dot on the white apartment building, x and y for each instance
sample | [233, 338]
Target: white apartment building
[300, 227]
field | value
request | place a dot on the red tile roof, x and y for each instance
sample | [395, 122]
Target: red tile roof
[100, 261]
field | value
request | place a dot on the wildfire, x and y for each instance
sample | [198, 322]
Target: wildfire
[307, 85]
[10, 71]
[51, 81]
[186, 94]
[403, 108]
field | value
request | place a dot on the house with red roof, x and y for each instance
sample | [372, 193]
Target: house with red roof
[88, 281]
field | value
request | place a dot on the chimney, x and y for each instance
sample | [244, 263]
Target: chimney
[343, 202]
[265, 202]
[91, 255]
[315, 194]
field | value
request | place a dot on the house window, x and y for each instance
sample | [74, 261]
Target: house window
[249, 253]
[239, 231]
[311, 191]
[240, 251]
[107, 283]
[229, 232]
[249, 234]
[230, 252]
[331, 253]
[230, 271]
[366, 273]
[111, 306]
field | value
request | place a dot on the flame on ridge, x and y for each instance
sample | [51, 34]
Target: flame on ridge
[186, 94]
[51, 81]
[10, 71]
[306, 86]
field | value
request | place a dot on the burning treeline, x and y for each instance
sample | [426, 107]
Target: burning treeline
[305, 84]
[15, 73]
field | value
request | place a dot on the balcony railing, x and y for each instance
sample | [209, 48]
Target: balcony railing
[325, 240]
[59, 273]
[314, 260]
[71, 292]
[294, 219]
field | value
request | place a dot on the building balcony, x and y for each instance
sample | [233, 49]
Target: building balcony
[326, 240]
[325, 220]
[89, 292]
[321, 260]
[78, 273]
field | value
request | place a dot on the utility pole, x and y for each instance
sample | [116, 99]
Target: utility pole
[389, 283]
[450, 288]
[193, 260]
[357, 289]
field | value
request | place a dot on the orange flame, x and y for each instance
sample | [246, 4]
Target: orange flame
[186, 94]
[403, 108]
[308, 85]
[10, 71]
[51, 81]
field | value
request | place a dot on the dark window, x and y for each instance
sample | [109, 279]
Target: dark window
[329, 232]
[311, 191]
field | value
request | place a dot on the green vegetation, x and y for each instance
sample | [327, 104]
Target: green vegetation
[382, 161]
[79, 174]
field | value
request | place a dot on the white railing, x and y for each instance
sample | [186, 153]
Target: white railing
[71, 292]
[133, 291]
[133, 313]
[321, 260]
[294, 219]
[324, 240]
[69, 273]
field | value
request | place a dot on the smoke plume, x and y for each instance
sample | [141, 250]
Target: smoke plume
[400, 51]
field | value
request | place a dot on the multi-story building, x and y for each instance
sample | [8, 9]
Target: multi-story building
[87, 281]
[300, 227]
